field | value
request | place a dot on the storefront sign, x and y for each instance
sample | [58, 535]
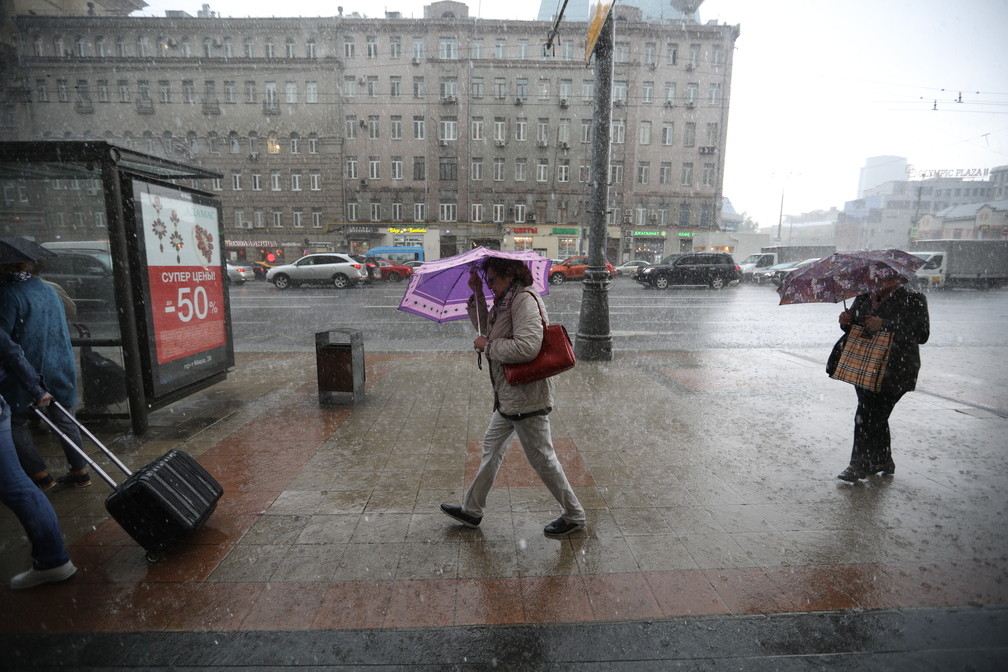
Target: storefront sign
[393, 230]
[250, 243]
[964, 173]
[639, 234]
[566, 232]
[526, 229]
[685, 234]
[361, 229]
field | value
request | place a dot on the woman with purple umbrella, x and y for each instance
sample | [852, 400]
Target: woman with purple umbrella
[512, 333]
[903, 313]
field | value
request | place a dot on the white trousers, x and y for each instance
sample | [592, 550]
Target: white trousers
[537, 441]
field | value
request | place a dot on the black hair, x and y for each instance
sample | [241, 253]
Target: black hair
[517, 270]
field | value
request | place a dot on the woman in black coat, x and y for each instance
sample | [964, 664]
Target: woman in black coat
[903, 313]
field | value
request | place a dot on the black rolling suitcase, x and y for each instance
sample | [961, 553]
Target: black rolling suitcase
[160, 503]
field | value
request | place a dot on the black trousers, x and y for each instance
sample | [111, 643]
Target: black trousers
[871, 428]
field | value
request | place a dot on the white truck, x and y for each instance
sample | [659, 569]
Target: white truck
[778, 254]
[961, 263]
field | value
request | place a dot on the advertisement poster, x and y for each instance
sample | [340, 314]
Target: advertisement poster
[188, 334]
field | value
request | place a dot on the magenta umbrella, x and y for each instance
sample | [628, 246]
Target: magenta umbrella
[844, 275]
[439, 290]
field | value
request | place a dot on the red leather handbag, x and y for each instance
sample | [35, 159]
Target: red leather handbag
[555, 356]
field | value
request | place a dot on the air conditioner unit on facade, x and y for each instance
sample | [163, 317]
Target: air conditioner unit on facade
[618, 102]
[654, 218]
[690, 67]
[530, 219]
[564, 145]
[652, 66]
[254, 156]
[416, 61]
[626, 219]
[543, 144]
[669, 103]
[442, 143]
[563, 103]
[500, 143]
[518, 101]
[690, 105]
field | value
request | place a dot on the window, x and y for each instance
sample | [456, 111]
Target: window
[270, 96]
[563, 171]
[500, 48]
[523, 49]
[124, 91]
[519, 213]
[418, 48]
[315, 181]
[644, 133]
[375, 211]
[521, 88]
[587, 90]
[234, 143]
[395, 86]
[448, 129]
[448, 50]
[236, 181]
[419, 90]
[311, 92]
[715, 93]
[372, 86]
[289, 48]
[619, 91]
[616, 173]
[671, 53]
[500, 130]
[448, 169]
[290, 92]
[373, 133]
[249, 47]
[670, 93]
[544, 88]
[717, 55]
[230, 92]
[397, 210]
[396, 129]
[476, 212]
[418, 127]
[694, 55]
[313, 144]
[348, 47]
[520, 169]
[542, 170]
[310, 49]
[350, 126]
[542, 130]
[684, 214]
[372, 47]
[643, 172]
[351, 211]
[686, 176]
[256, 181]
[477, 128]
[295, 180]
[521, 129]
[164, 89]
[42, 91]
[692, 91]
[476, 170]
[351, 167]
[665, 173]
[447, 212]
[563, 131]
[711, 135]
[498, 212]
[647, 92]
[419, 168]
[298, 218]
[374, 168]
[419, 212]
[316, 218]
[689, 134]
[449, 86]
[349, 86]
[395, 47]
[275, 180]
[708, 175]
[269, 48]
[621, 52]
[498, 173]
[250, 92]
[618, 131]
[650, 53]
[667, 133]
[476, 87]
[397, 168]
[103, 91]
[586, 134]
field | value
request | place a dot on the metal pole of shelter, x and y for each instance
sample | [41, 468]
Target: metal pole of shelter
[593, 340]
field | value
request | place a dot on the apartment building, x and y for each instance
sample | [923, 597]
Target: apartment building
[346, 132]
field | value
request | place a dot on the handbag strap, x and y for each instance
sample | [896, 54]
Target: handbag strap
[538, 305]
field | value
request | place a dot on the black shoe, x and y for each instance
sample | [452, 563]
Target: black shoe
[885, 468]
[561, 528]
[73, 480]
[851, 474]
[458, 514]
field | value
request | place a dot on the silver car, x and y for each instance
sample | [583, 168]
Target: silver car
[325, 268]
[238, 273]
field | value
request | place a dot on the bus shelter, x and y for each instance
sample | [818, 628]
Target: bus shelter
[136, 245]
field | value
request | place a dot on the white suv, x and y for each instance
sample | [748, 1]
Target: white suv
[326, 268]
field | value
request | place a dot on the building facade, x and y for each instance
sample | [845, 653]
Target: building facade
[344, 133]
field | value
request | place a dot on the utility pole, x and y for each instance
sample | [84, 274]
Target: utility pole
[593, 340]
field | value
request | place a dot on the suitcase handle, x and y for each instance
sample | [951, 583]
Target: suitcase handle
[101, 472]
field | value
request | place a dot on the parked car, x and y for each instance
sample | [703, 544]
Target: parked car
[370, 267]
[711, 269]
[778, 276]
[238, 274]
[325, 268]
[628, 267]
[86, 277]
[390, 271]
[573, 269]
[413, 264]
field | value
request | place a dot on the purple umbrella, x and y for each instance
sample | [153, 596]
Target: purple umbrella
[843, 275]
[439, 290]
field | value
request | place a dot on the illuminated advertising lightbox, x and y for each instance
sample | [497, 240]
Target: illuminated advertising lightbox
[188, 334]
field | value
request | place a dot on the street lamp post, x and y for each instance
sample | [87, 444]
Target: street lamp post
[593, 340]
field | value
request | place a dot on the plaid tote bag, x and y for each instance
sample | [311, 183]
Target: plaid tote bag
[864, 358]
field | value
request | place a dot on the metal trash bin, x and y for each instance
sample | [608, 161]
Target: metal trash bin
[339, 357]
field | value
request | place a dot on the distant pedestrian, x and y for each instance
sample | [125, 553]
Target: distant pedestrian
[903, 313]
[50, 560]
[513, 331]
[33, 316]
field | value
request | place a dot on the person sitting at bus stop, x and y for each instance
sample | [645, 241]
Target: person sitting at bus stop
[33, 316]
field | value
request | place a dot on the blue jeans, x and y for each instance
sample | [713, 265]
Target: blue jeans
[29, 455]
[31, 507]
